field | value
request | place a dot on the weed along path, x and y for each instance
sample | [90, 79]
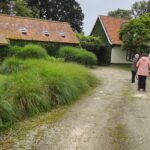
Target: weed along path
[112, 117]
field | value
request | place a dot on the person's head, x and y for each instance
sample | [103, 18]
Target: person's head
[136, 56]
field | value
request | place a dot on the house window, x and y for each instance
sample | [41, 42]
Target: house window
[129, 55]
[46, 33]
[23, 30]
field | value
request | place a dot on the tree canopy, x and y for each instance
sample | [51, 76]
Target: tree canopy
[136, 34]
[15, 7]
[121, 13]
[66, 10]
[140, 8]
[137, 9]
[4, 6]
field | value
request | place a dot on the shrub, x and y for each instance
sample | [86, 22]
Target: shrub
[96, 45]
[51, 48]
[68, 53]
[31, 51]
[28, 51]
[87, 58]
[77, 55]
[11, 65]
[42, 86]
[14, 50]
[90, 43]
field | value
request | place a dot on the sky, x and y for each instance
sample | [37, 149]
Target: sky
[93, 8]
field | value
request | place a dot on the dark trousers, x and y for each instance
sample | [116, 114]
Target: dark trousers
[133, 76]
[142, 82]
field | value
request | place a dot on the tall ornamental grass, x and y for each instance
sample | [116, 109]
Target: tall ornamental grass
[40, 87]
[14, 64]
[78, 55]
[28, 51]
[11, 65]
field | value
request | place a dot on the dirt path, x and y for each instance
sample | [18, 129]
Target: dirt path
[114, 117]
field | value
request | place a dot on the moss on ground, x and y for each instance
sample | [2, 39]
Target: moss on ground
[19, 130]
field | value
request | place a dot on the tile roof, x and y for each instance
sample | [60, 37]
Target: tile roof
[3, 40]
[112, 26]
[12, 27]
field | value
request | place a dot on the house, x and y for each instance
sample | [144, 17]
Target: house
[31, 29]
[108, 29]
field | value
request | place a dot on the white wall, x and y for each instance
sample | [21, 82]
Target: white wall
[118, 55]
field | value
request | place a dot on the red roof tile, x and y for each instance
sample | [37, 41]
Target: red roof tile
[112, 26]
[10, 27]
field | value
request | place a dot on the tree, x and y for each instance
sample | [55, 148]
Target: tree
[120, 13]
[136, 35]
[66, 10]
[4, 6]
[21, 8]
[140, 8]
[14, 7]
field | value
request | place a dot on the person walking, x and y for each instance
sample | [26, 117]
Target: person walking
[134, 68]
[143, 66]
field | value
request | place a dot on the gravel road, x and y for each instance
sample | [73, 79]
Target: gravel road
[113, 117]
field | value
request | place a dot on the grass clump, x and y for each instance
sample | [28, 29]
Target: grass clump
[42, 86]
[11, 65]
[14, 64]
[7, 115]
[28, 51]
[28, 93]
[33, 51]
[14, 50]
[78, 55]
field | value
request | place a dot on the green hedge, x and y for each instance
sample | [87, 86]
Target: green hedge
[40, 87]
[77, 55]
